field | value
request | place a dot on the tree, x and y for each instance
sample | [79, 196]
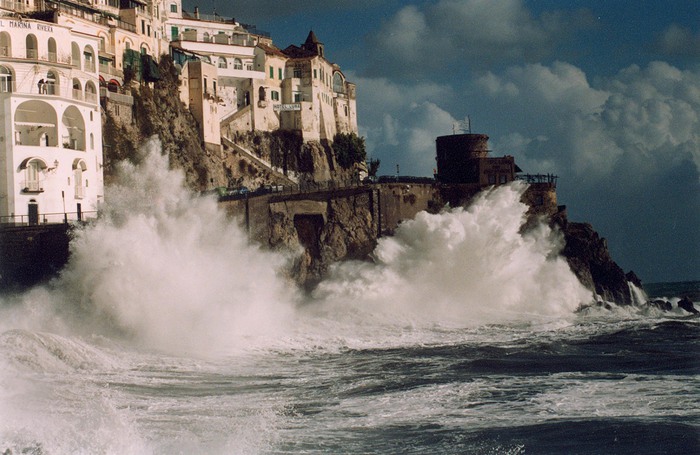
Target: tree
[349, 149]
[373, 167]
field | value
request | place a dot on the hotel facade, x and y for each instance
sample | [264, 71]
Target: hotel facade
[62, 63]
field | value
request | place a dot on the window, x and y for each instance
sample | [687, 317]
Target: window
[32, 182]
[279, 73]
[173, 8]
[315, 73]
[275, 95]
[143, 27]
[272, 73]
[222, 62]
[5, 80]
[297, 97]
[213, 83]
[502, 178]
[297, 72]
[174, 33]
[237, 64]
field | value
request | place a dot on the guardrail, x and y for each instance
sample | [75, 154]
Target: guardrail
[46, 218]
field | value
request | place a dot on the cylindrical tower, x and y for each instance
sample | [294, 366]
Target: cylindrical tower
[457, 157]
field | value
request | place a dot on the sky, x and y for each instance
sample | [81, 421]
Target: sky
[603, 93]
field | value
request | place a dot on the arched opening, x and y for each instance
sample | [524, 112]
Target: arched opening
[5, 45]
[77, 89]
[90, 92]
[36, 124]
[73, 129]
[89, 56]
[222, 62]
[261, 94]
[79, 167]
[144, 49]
[32, 47]
[6, 79]
[237, 64]
[205, 37]
[113, 85]
[338, 83]
[51, 86]
[53, 56]
[75, 55]
[33, 169]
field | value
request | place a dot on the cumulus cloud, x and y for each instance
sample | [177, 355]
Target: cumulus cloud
[454, 33]
[626, 148]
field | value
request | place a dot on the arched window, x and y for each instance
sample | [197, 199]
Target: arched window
[237, 64]
[5, 45]
[32, 47]
[89, 55]
[205, 37]
[35, 124]
[222, 62]
[5, 79]
[79, 167]
[32, 169]
[53, 56]
[77, 89]
[73, 129]
[261, 94]
[51, 86]
[90, 92]
[338, 83]
[75, 55]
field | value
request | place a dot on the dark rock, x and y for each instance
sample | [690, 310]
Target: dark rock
[686, 304]
[588, 256]
[634, 279]
[663, 305]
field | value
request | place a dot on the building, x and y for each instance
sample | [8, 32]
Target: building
[51, 132]
[464, 168]
[260, 87]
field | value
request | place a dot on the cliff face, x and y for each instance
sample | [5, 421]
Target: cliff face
[588, 256]
[159, 111]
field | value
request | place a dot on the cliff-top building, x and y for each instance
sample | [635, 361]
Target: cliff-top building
[50, 124]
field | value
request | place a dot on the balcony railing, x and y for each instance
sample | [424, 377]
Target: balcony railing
[89, 66]
[17, 6]
[112, 71]
[77, 94]
[47, 218]
[91, 97]
[32, 186]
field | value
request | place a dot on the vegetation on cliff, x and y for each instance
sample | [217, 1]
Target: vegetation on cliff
[158, 111]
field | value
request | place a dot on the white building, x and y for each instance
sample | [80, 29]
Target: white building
[50, 123]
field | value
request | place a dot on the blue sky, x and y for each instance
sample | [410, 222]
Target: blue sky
[604, 93]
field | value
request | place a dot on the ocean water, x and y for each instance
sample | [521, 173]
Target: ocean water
[170, 333]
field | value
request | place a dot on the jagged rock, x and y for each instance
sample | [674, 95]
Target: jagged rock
[663, 305]
[686, 304]
[588, 256]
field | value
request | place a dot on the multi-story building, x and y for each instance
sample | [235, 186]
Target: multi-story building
[50, 123]
[258, 86]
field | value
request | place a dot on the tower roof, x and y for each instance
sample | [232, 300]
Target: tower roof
[311, 39]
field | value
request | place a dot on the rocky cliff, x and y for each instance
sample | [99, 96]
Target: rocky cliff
[588, 256]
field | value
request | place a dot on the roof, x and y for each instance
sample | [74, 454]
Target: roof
[271, 50]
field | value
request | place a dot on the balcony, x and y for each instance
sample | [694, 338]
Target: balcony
[32, 187]
[111, 71]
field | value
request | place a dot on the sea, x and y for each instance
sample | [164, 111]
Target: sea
[170, 332]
